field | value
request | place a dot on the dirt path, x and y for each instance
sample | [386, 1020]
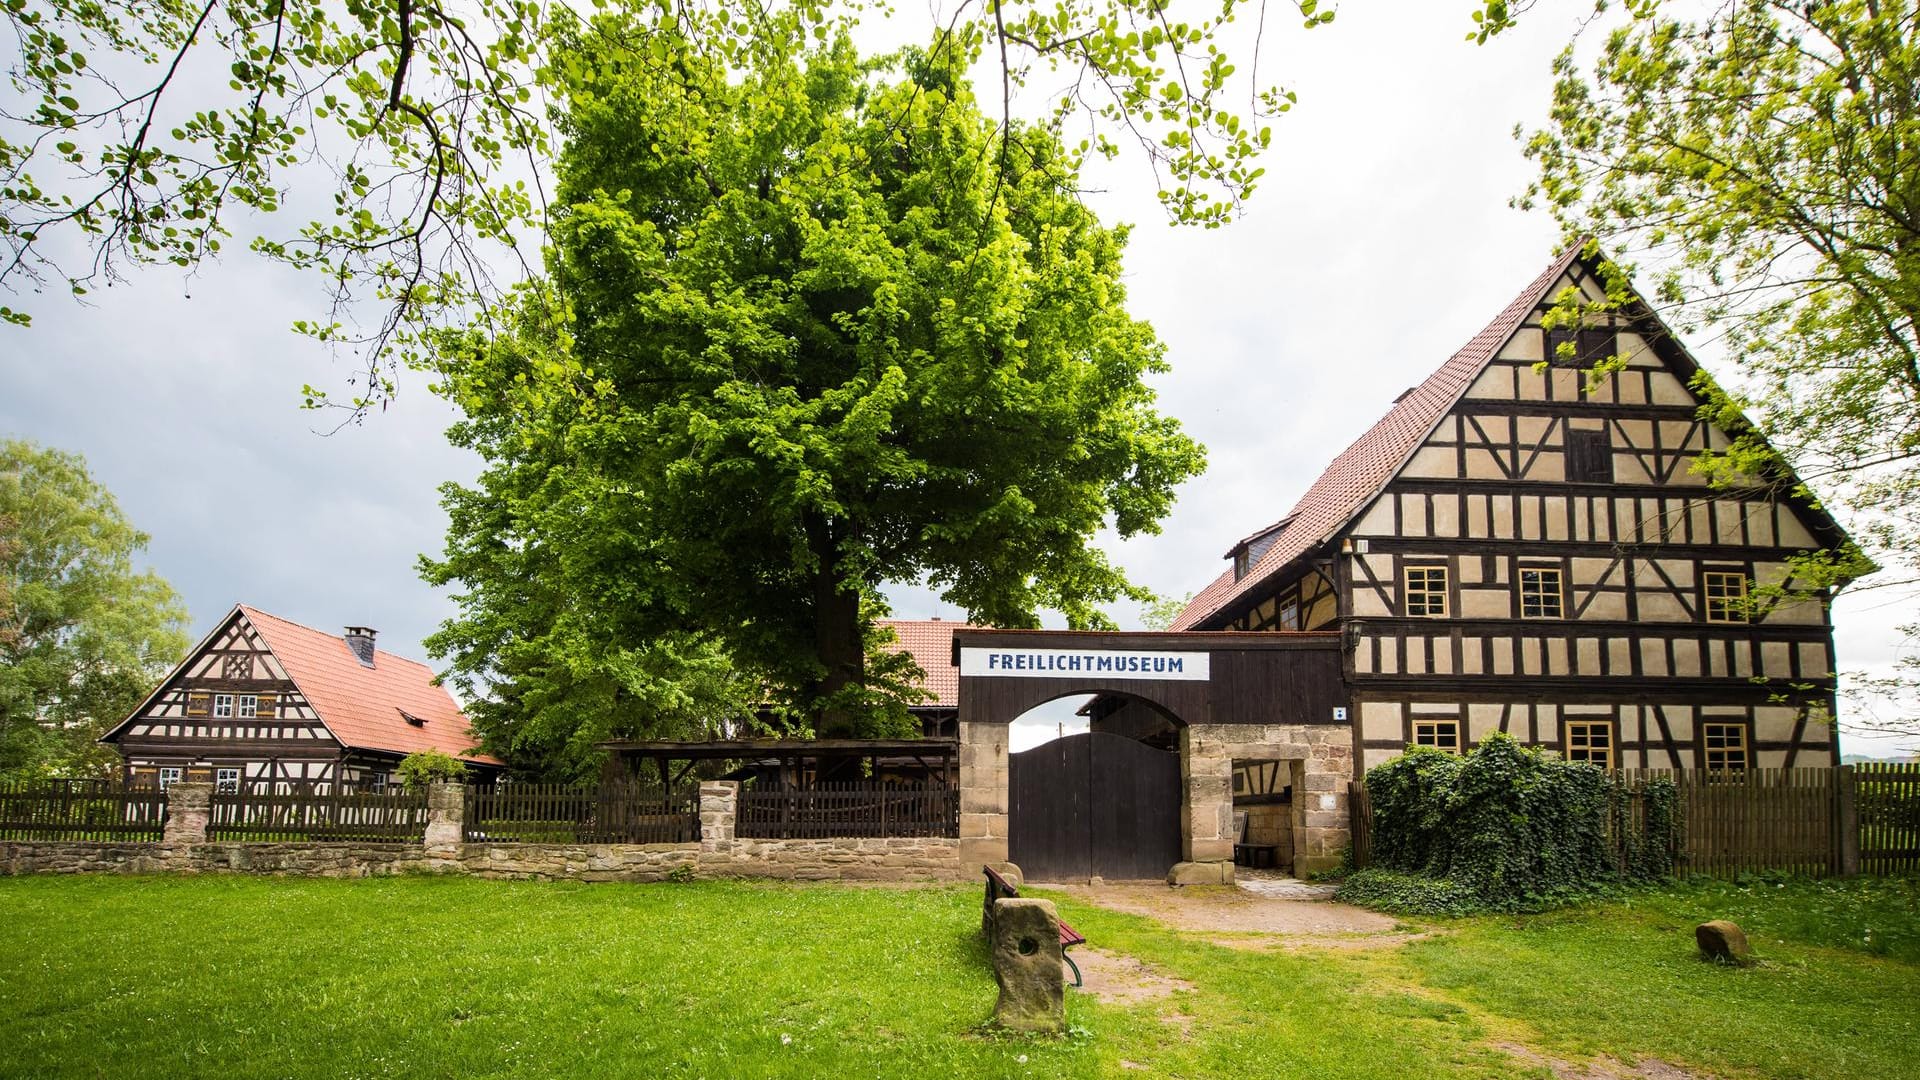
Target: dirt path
[1228, 910]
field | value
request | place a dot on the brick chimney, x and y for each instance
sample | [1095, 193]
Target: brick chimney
[360, 640]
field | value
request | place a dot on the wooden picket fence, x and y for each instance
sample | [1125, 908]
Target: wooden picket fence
[853, 808]
[284, 812]
[1811, 821]
[1887, 798]
[81, 810]
[613, 812]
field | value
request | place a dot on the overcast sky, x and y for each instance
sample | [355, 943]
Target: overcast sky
[1379, 242]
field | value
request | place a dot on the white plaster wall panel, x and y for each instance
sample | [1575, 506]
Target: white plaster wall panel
[1556, 656]
[1527, 345]
[1483, 721]
[1814, 662]
[1668, 390]
[1495, 383]
[1413, 515]
[1776, 659]
[1686, 658]
[1377, 521]
[1587, 657]
[1432, 462]
[1502, 655]
[1486, 604]
[1381, 720]
[1471, 660]
[1653, 657]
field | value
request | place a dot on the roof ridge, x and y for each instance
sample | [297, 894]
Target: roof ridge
[1346, 485]
[377, 651]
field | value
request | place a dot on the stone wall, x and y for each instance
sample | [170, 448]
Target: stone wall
[983, 793]
[718, 854]
[1321, 758]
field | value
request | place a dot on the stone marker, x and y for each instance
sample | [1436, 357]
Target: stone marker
[1217, 872]
[1723, 941]
[1027, 965]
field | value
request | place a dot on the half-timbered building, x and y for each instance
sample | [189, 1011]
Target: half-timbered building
[1512, 549]
[262, 699]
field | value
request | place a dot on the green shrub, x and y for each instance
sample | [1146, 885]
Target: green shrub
[1504, 828]
[423, 767]
[1408, 894]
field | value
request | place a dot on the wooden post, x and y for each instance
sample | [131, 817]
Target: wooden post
[1846, 822]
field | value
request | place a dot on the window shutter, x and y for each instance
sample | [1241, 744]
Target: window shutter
[1590, 457]
[266, 706]
[199, 705]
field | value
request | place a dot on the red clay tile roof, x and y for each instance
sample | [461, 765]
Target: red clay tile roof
[1358, 474]
[362, 705]
[931, 643]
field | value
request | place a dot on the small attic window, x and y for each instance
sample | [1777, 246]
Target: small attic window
[1241, 564]
[416, 721]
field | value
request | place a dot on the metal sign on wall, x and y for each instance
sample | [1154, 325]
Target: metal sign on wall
[1085, 664]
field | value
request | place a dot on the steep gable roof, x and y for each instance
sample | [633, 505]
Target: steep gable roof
[1362, 469]
[367, 708]
[930, 642]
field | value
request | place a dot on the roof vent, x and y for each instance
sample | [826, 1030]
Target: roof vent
[360, 640]
[416, 721]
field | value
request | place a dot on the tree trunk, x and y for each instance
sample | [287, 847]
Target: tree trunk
[836, 633]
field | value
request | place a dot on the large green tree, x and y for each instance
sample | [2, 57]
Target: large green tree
[805, 337]
[83, 634]
[1761, 159]
[409, 138]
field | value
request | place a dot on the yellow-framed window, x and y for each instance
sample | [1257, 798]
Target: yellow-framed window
[1726, 596]
[1724, 746]
[1425, 588]
[1541, 590]
[1590, 740]
[1438, 734]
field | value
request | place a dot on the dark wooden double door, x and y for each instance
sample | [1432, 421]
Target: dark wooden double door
[1093, 805]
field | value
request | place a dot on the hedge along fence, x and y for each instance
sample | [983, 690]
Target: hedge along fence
[1505, 828]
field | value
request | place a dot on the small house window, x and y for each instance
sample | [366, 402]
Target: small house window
[1590, 740]
[1439, 734]
[1724, 747]
[1726, 596]
[226, 780]
[248, 706]
[377, 782]
[1241, 564]
[1591, 346]
[1290, 615]
[1590, 457]
[223, 705]
[1426, 588]
[1540, 593]
[169, 776]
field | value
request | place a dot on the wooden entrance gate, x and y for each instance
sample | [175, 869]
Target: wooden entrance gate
[1093, 805]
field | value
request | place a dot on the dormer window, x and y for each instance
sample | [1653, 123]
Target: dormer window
[1241, 564]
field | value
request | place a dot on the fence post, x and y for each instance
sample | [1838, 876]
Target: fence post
[1846, 822]
[719, 802]
[188, 807]
[446, 814]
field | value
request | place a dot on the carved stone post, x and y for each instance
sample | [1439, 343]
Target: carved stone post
[446, 814]
[188, 808]
[1027, 963]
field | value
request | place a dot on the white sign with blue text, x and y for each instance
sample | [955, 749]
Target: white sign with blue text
[1084, 664]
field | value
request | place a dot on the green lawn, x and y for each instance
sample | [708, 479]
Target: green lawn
[426, 977]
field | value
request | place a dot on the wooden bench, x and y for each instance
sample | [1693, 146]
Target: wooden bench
[998, 888]
[1252, 856]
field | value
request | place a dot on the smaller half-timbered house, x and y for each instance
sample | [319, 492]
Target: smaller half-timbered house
[262, 699]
